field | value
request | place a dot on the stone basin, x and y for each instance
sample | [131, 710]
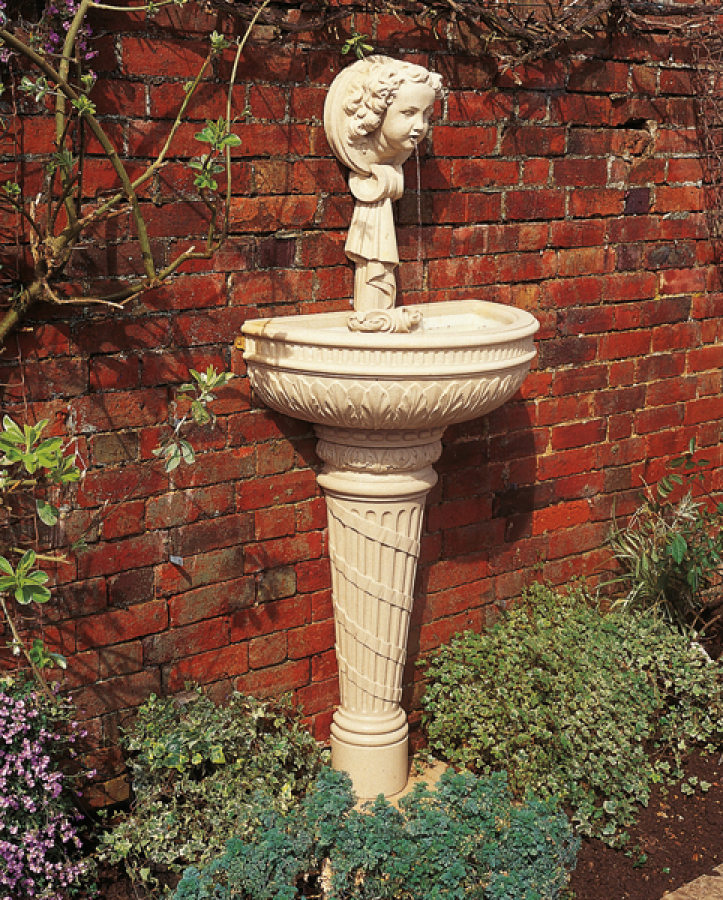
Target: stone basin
[466, 359]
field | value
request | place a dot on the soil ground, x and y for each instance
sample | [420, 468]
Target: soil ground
[677, 839]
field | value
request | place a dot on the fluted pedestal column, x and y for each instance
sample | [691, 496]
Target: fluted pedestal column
[375, 484]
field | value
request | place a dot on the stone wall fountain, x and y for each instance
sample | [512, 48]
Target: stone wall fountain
[380, 385]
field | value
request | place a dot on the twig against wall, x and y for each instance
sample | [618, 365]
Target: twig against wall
[513, 31]
[708, 54]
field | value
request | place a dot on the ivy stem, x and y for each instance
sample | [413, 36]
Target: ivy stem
[18, 642]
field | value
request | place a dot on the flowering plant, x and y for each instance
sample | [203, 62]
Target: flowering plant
[40, 847]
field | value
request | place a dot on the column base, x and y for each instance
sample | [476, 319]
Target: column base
[373, 770]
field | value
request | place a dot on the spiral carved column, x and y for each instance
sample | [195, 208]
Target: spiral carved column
[375, 484]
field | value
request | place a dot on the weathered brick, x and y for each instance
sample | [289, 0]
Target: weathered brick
[211, 601]
[471, 106]
[123, 520]
[313, 575]
[273, 584]
[579, 434]
[122, 692]
[121, 625]
[660, 418]
[129, 553]
[311, 640]
[561, 516]
[709, 409]
[215, 467]
[268, 650]
[134, 586]
[262, 493]
[206, 668]
[211, 534]
[468, 141]
[196, 571]
[113, 485]
[114, 447]
[598, 76]
[324, 666]
[533, 140]
[272, 554]
[535, 204]
[588, 202]
[185, 507]
[183, 641]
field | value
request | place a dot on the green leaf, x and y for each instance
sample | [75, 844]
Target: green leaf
[44, 658]
[187, 452]
[47, 513]
[217, 755]
[677, 548]
[12, 431]
[84, 106]
[26, 563]
[31, 593]
[173, 457]
[201, 416]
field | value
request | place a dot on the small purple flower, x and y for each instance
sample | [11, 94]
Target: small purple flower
[38, 827]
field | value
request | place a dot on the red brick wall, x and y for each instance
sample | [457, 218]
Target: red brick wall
[571, 188]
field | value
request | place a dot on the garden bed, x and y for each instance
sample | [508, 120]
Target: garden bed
[680, 836]
[677, 839]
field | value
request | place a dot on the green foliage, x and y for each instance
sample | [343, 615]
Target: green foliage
[25, 585]
[670, 552]
[195, 768]
[358, 45]
[175, 449]
[464, 839]
[221, 139]
[588, 707]
[34, 471]
[55, 72]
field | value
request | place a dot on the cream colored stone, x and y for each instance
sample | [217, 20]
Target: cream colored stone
[381, 385]
[376, 113]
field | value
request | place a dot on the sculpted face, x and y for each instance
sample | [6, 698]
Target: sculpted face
[406, 120]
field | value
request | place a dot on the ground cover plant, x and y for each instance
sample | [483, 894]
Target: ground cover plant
[591, 707]
[195, 767]
[40, 846]
[465, 838]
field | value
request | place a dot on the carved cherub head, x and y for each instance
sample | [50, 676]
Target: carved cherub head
[378, 110]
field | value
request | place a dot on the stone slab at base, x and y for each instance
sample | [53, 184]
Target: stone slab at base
[707, 887]
[373, 770]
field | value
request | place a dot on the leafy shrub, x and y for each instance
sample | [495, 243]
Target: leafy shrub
[588, 707]
[195, 768]
[670, 552]
[464, 839]
[39, 844]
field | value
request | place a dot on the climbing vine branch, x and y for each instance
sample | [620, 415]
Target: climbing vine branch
[57, 218]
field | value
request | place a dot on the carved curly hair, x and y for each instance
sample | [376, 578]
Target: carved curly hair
[374, 90]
